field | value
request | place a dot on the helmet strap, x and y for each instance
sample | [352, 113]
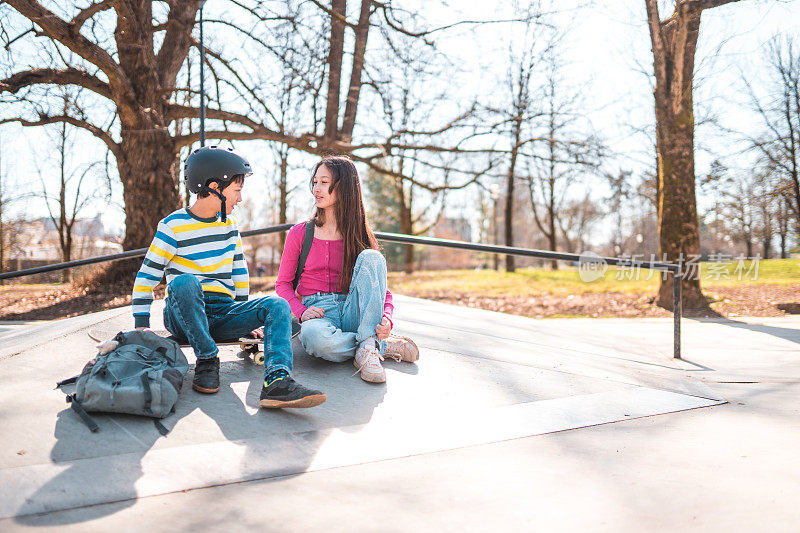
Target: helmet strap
[222, 199]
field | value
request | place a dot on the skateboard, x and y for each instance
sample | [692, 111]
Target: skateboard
[248, 346]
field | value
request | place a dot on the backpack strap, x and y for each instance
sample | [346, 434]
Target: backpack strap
[67, 381]
[78, 408]
[161, 428]
[301, 261]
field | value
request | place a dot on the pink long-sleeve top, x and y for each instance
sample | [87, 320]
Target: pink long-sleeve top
[321, 272]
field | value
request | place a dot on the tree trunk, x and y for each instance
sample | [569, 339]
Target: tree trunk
[335, 55]
[147, 166]
[509, 218]
[284, 193]
[551, 240]
[674, 46]
[359, 50]
[148, 180]
[406, 227]
[551, 205]
[66, 255]
[2, 234]
[408, 258]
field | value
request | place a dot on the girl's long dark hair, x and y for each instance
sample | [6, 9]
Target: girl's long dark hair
[351, 218]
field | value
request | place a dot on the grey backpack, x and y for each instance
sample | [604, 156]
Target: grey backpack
[141, 376]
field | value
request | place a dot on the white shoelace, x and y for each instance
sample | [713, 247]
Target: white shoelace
[393, 356]
[372, 357]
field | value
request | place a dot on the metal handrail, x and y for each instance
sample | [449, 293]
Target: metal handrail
[425, 241]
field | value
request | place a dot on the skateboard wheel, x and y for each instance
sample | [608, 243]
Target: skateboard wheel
[258, 357]
[245, 347]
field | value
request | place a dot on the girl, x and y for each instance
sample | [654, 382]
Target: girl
[342, 302]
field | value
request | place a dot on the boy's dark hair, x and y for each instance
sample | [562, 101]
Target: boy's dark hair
[238, 178]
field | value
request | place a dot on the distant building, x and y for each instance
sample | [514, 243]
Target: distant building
[38, 242]
[437, 258]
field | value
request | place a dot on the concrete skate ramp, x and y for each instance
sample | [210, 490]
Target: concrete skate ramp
[482, 377]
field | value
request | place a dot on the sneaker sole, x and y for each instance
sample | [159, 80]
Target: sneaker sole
[309, 401]
[204, 391]
[414, 356]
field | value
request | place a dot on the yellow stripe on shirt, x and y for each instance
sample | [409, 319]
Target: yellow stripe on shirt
[204, 269]
[142, 288]
[217, 288]
[200, 225]
[159, 252]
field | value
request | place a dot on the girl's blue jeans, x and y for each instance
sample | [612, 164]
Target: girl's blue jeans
[200, 318]
[349, 318]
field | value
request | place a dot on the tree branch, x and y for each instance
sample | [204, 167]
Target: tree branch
[176, 111]
[334, 14]
[262, 133]
[177, 41]
[699, 5]
[657, 40]
[91, 128]
[61, 31]
[67, 76]
[86, 13]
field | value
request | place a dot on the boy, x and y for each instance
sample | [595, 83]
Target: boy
[207, 282]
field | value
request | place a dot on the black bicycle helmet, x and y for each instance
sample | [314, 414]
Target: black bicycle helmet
[212, 163]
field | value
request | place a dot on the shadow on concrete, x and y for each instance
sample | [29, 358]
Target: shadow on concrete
[789, 334]
[113, 476]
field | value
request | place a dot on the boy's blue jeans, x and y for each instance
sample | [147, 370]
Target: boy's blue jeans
[201, 317]
[349, 318]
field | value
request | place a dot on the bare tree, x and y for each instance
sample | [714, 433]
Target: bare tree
[577, 218]
[72, 197]
[9, 194]
[620, 187]
[135, 68]
[524, 64]
[407, 99]
[783, 214]
[779, 145]
[563, 151]
[674, 42]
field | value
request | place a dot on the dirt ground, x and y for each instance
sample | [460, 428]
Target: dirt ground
[745, 300]
[50, 302]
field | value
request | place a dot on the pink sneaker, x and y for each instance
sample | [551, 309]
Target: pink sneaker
[401, 349]
[368, 362]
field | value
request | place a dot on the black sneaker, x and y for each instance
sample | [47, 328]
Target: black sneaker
[206, 375]
[286, 392]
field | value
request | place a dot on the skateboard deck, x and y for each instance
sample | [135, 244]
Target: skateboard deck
[249, 346]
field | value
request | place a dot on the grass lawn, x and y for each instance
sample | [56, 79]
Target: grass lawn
[768, 287]
[527, 281]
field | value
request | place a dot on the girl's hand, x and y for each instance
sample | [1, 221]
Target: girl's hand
[383, 329]
[258, 333]
[312, 312]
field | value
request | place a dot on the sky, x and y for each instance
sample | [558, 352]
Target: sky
[606, 54]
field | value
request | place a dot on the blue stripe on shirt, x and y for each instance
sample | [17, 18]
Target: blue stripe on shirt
[210, 253]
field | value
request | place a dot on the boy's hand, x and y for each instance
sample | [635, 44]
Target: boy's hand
[258, 333]
[312, 312]
[383, 329]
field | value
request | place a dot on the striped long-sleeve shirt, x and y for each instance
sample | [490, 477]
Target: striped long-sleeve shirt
[187, 244]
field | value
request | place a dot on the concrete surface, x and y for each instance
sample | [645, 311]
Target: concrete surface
[504, 423]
